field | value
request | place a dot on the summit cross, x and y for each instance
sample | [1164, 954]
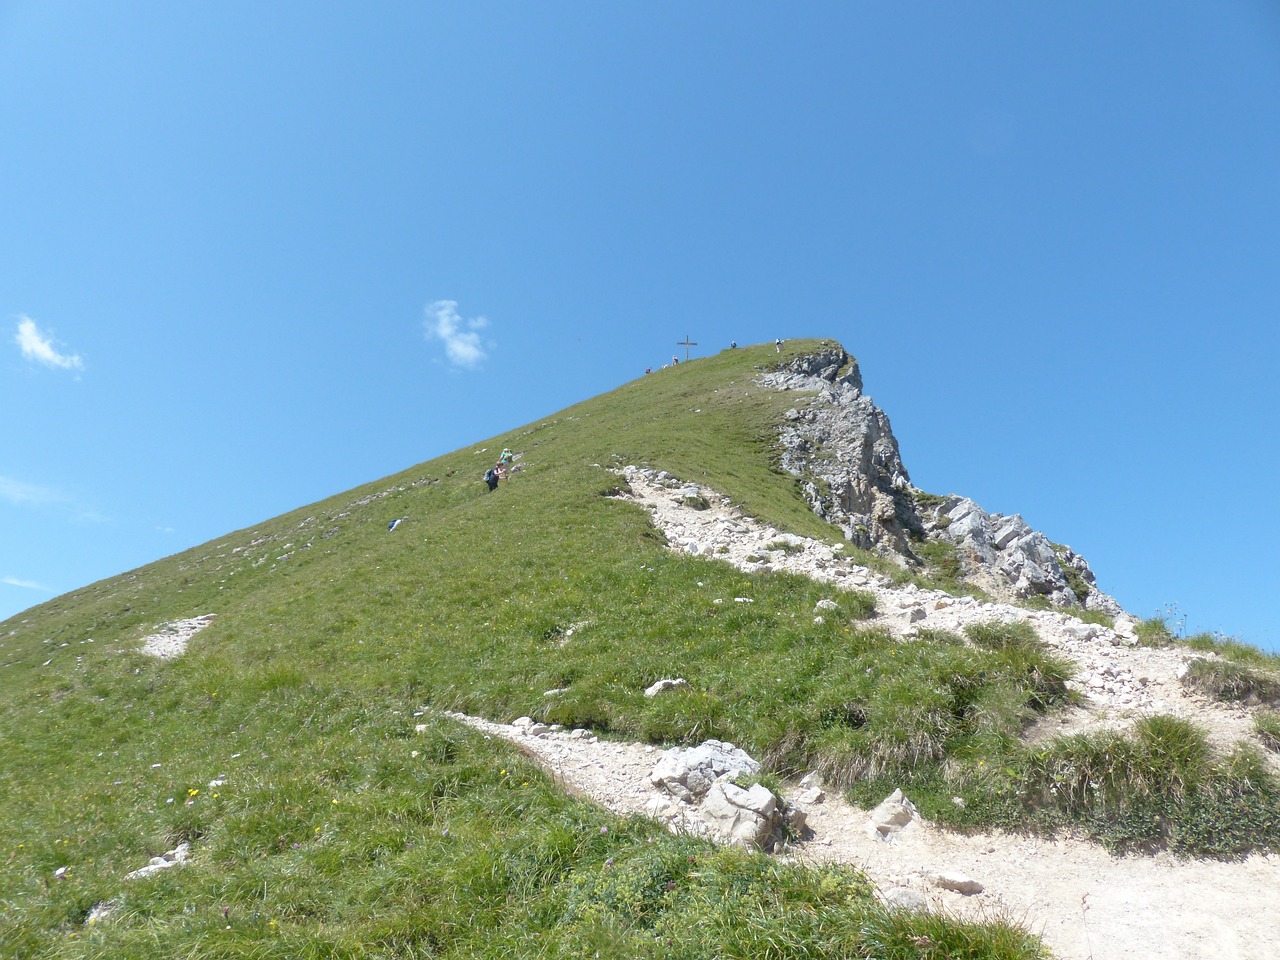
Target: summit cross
[686, 343]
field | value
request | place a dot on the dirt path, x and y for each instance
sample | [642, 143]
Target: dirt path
[1137, 907]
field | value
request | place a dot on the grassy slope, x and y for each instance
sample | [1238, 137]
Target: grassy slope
[328, 836]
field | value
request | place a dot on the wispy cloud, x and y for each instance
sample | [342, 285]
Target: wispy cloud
[38, 347]
[25, 584]
[461, 338]
[19, 493]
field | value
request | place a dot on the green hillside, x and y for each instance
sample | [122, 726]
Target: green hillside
[282, 745]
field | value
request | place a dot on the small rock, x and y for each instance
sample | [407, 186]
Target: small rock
[958, 883]
[894, 813]
[100, 912]
[666, 684]
[904, 898]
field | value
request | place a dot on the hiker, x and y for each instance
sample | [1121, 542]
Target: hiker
[778, 345]
[674, 361]
[491, 478]
[733, 344]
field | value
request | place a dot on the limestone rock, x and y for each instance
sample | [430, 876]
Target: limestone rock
[894, 814]
[663, 685]
[687, 773]
[841, 447]
[178, 855]
[811, 797]
[842, 443]
[741, 816]
[1006, 557]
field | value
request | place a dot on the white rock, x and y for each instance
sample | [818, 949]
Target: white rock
[666, 684]
[894, 814]
[688, 773]
[740, 816]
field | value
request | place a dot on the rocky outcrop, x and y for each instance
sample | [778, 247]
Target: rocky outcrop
[1009, 560]
[841, 448]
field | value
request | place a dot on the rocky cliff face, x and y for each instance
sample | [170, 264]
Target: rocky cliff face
[840, 446]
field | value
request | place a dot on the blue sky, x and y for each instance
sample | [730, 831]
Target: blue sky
[256, 254]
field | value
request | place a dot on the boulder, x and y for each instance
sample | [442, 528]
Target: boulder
[741, 816]
[687, 773]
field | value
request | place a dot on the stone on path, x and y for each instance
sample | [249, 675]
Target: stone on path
[894, 814]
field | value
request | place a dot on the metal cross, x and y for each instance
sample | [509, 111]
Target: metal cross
[686, 343]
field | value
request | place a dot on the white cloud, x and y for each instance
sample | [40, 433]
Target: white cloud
[25, 584]
[462, 343]
[17, 492]
[39, 348]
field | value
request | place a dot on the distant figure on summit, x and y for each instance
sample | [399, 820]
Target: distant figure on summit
[778, 345]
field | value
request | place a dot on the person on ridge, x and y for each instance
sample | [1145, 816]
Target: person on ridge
[777, 344]
[491, 478]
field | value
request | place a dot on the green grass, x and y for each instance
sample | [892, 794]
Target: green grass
[1232, 682]
[328, 837]
[1267, 725]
